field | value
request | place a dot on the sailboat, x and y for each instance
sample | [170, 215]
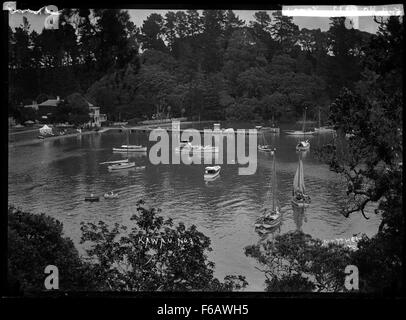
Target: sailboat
[271, 216]
[300, 198]
[300, 132]
[130, 148]
[123, 164]
[272, 128]
[263, 146]
[324, 129]
[304, 144]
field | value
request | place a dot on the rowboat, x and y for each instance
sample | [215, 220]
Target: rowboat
[111, 195]
[211, 172]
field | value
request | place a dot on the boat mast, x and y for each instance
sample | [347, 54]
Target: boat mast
[128, 142]
[299, 169]
[274, 182]
[304, 120]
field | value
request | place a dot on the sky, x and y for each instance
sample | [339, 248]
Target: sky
[138, 16]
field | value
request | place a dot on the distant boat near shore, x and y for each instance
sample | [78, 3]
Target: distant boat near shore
[299, 133]
[323, 129]
[131, 148]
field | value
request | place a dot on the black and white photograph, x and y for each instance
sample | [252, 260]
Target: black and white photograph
[181, 149]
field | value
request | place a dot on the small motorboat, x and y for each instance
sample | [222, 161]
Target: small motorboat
[41, 137]
[265, 148]
[303, 145]
[92, 198]
[211, 172]
[122, 165]
[111, 195]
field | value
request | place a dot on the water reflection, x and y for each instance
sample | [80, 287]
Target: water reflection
[299, 215]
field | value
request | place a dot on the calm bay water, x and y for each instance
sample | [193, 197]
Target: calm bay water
[54, 176]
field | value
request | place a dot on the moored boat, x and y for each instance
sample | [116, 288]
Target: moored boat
[300, 198]
[121, 165]
[299, 133]
[303, 145]
[263, 146]
[111, 195]
[271, 217]
[130, 148]
[211, 172]
[112, 162]
[323, 129]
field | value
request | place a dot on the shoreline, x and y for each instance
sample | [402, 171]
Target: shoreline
[32, 141]
[103, 130]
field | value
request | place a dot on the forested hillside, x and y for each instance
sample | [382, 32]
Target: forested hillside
[207, 64]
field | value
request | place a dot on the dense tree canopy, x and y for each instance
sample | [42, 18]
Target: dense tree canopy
[171, 61]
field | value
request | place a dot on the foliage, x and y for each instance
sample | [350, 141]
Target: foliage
[154, 255]
[297, 262]
[74, 109]
[36, 241]
[97, 52]
[371, 159]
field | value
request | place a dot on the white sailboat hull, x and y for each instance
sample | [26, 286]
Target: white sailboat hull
[299, 133]
[324, 130]
[120, 166]
[141, 149]
[113, 162]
